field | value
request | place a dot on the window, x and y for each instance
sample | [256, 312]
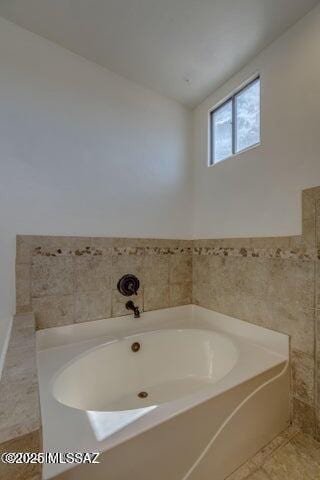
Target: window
[235, 125]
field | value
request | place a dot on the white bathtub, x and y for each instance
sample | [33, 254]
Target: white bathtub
[202, 393]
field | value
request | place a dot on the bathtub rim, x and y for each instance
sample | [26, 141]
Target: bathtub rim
[114, 327]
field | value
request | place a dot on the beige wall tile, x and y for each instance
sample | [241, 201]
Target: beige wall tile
[296, 322]
[317, 324]
[308, 207]
[274, 293]
[67, 266]
[123, 264]
[53, 311]
[309, 231]
[23, 285]
[180, 294]
[317, 436]
[103, 244]
[201, 295]
[201, 269]
[19, 402]
[313, 192]
[92, 273]
[217, 298]
[271, 242]
[317, 283]
[291, 282]
[304, 417]
[236, 242]
[92, 306]
[204, 242]
[156, 270]
[248, 276]
[24, 245]
[272, 281]
[180, 268]
[52, 276]
[318, 235]
[292, 319]
[19, 408]
[20, 365]
[303, 377]
[23, 331]
[156, 297]
[122, 242]
[318, 375]
[23, 309]
[249, 242]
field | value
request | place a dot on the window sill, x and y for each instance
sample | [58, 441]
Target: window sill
[235, 154]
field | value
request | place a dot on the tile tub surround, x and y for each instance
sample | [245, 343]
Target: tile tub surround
[74, 279]
[273, 282]
[20, 424]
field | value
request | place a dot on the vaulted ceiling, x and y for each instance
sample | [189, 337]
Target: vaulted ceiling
[183, 49]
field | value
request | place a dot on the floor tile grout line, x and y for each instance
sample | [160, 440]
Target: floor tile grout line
[285, 442]
[259, 466]
[271, 454]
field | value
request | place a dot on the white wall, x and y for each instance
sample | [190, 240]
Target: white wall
[258, 193]
[84, 152]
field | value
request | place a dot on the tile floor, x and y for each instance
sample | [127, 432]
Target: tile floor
[291, 456]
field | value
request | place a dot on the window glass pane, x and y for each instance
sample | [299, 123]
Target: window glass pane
[247, 104]
[222, 132]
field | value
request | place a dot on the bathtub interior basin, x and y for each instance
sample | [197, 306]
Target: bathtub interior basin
[167, 365]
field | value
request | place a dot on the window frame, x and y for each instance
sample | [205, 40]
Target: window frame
[232, 98]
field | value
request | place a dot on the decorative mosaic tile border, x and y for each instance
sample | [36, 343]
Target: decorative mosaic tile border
[127, 251]
[310, 254]
[152, 250]
[168, 251]
[66, 252]
[117, 251]
[298, 254]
